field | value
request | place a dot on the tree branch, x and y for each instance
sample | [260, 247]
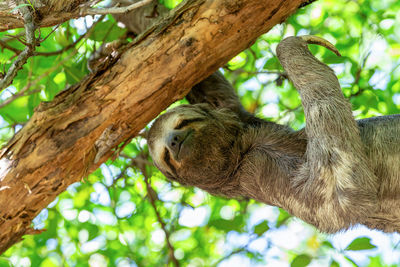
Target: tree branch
[152, 195]
[57, 147]
[114, 10]
[9, 47]
[54, 12]
[66, 48]
[27, 52]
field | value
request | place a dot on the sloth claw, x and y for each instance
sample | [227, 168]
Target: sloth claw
[311, 39]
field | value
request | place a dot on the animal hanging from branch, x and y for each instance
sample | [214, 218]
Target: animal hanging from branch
[335, 173]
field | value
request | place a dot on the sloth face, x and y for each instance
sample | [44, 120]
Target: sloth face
[195, 145]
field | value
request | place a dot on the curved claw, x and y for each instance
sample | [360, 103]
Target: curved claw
[311, 39]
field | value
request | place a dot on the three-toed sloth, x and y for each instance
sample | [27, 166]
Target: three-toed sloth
[335, 173]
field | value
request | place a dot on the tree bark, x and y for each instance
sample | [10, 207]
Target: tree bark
[71, 136]
[48, 12]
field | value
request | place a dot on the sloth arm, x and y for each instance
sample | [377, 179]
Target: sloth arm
[336, 170]
[216, 91]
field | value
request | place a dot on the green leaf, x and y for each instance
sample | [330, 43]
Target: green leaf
[4, 262]
[282, 218]
[33, 101]
[333, 59]
[51, 89]
[73, 74]
[261, 228]
[106, 31]
[49, 262]
[272, 64]
[228, 225]
[301, 261]
[327, 244]
[16, 111]
[351, 261]
[361, 243]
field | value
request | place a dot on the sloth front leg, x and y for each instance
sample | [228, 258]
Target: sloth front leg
[216, 91]
[335, 180]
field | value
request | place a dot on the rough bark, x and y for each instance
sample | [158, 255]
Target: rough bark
[48, 12]
[71, 136]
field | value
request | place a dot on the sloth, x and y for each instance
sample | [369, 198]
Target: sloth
[334, 174]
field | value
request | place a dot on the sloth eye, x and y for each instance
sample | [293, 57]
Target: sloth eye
[184, 123]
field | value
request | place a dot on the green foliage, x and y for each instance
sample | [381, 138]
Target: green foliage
[301, 261]
[121, 215]
[261, 228]
[361, 243]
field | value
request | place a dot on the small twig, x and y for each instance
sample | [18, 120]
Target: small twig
[26, 53]
[22, 40]
[358, 76]
[233, 252]
[256, 104]
[15, 96]
[244, 248]
[153, 197]
[12, 37]
[115, 10]
[259, 72]
[52, 31]
[9, 47]
[46, 54]
[138, 160]
[54, 53]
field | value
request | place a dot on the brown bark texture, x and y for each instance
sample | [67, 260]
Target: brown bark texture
[47, 12]
[71, 136]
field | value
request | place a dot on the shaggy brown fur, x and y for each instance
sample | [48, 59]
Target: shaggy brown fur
[335, 173]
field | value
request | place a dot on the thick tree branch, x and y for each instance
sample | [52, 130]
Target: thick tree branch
[50, 12]
[54, 12]
[58, 146]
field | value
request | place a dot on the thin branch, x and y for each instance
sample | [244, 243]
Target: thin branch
[35, 82]
[46, 54]
[233, 252]
[52, 31]
[54, 53]
[20, 93]
[26, 53]
[21, 39]
[153, 197]
[240, 71]
[358, 76]
[115, 10]
[10, 37]
[9, 47]
[50, 70]
[244, 248]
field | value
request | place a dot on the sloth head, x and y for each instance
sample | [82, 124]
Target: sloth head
[196, 145]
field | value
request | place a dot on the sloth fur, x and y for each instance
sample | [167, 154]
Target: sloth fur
[335, 173]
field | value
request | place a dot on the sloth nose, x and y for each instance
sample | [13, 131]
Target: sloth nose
[174, 141]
